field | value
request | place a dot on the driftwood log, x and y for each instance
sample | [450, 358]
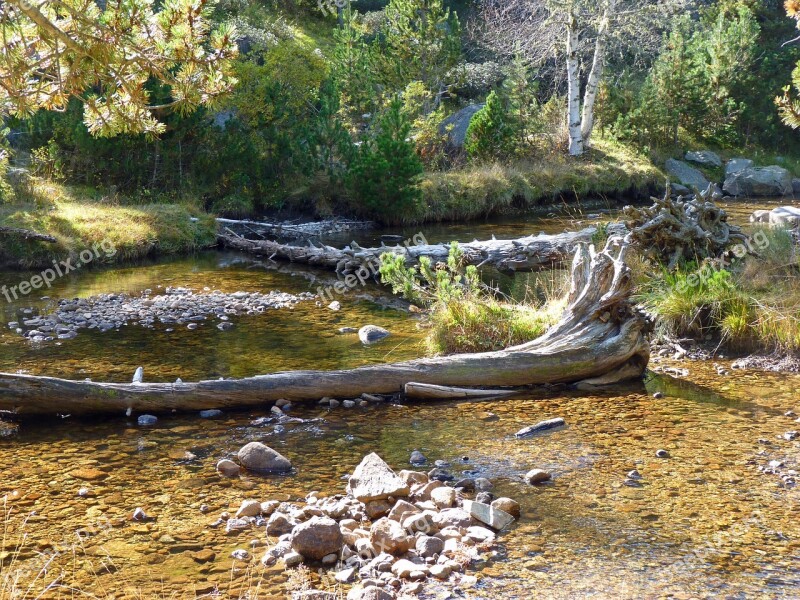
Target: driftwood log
[27, 234]
[599, 334]
[682, 229]
[524, 254]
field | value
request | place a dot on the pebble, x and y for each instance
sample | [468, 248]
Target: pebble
[661, 453]
[535, 476]
[417, 458]
[146, 420]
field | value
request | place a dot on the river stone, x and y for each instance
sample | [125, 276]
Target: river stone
[317, 537]
[535, 476]
[759, 181]
[401, 510]
[213, 413]
[541, 426]
[249, 508]
[508, 505]
[427, 546]
[228, 468]
[418, 458]
[370, 593]
[685, 174]
[313, 595]
[255, 456]
[443, 497]
[735, 165]
[369, 334]
[373, 479]
[704, 157]
[388, 536]
[279, 524]
[147, 420]
[485, 513]
[413, 477]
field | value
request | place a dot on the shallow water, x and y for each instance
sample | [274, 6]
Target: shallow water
[705, 522]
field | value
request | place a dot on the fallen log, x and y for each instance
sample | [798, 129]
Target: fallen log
[600, 332]
[524, 254]
[27, 234]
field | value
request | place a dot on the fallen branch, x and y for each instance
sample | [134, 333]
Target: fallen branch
[600, 332]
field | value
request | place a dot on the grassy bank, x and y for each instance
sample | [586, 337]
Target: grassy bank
[610, 168]
[748, 305]
[79, 220]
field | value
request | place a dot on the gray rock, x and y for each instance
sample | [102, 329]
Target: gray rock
[317, 538]
[735, 165]
[455, 127]
[228, 468]
[508, 505]
[373, 479]
[685, 174]
[796, 186]
[147, 420]
[213, 413]
[417, 458]
[258, 457]
[704, 157]
[389, 536]
[427, 546]
[535, 476]
[493, 517]
[369, 334]
[541, 426]
[679, 190]
[279, 524]
[759, 181]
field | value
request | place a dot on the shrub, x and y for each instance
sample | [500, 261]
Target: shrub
[384, 175]
[490, 134]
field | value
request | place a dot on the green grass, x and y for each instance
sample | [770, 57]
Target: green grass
[79, 221]
[610, 168]
[752, 305]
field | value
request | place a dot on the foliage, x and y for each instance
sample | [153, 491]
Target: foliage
[384, 174]
[111, 51]
[464, 316]
[788, 105]
[491, 134]
[422, 43]
[520, 89]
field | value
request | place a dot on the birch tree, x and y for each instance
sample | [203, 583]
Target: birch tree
[574, 33]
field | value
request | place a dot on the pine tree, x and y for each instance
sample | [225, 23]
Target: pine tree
[422, 42]
[490, 134]
[520, 92]
[788, 104]
[384, 176]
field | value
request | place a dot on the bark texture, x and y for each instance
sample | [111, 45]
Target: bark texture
[599, 332]
[27, 234]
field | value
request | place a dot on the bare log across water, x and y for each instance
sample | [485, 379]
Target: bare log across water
[600, 333]
[524, 254]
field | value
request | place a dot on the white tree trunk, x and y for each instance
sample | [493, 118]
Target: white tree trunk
[574, 90]
[595, 75]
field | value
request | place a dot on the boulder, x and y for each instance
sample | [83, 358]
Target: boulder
[317, 537]
[427, 546]
[485, 513]
[401, 510]
[258, 457]
[279, 524]
[685, 174]
[735, 165]
[455, 127]
[373, 479]
[228, 468]
[388, 536]
[249, 508]
[759, 181]
[796, 186]
[706, 158]
[443, 497]
[369, 334]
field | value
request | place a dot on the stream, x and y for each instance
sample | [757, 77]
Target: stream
[704, 523]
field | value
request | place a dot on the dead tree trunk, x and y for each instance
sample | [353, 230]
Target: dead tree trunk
[600, 333]
[524, 254]
[27, 234]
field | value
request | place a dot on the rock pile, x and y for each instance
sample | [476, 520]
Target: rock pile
[389, 533]
[176, 306]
